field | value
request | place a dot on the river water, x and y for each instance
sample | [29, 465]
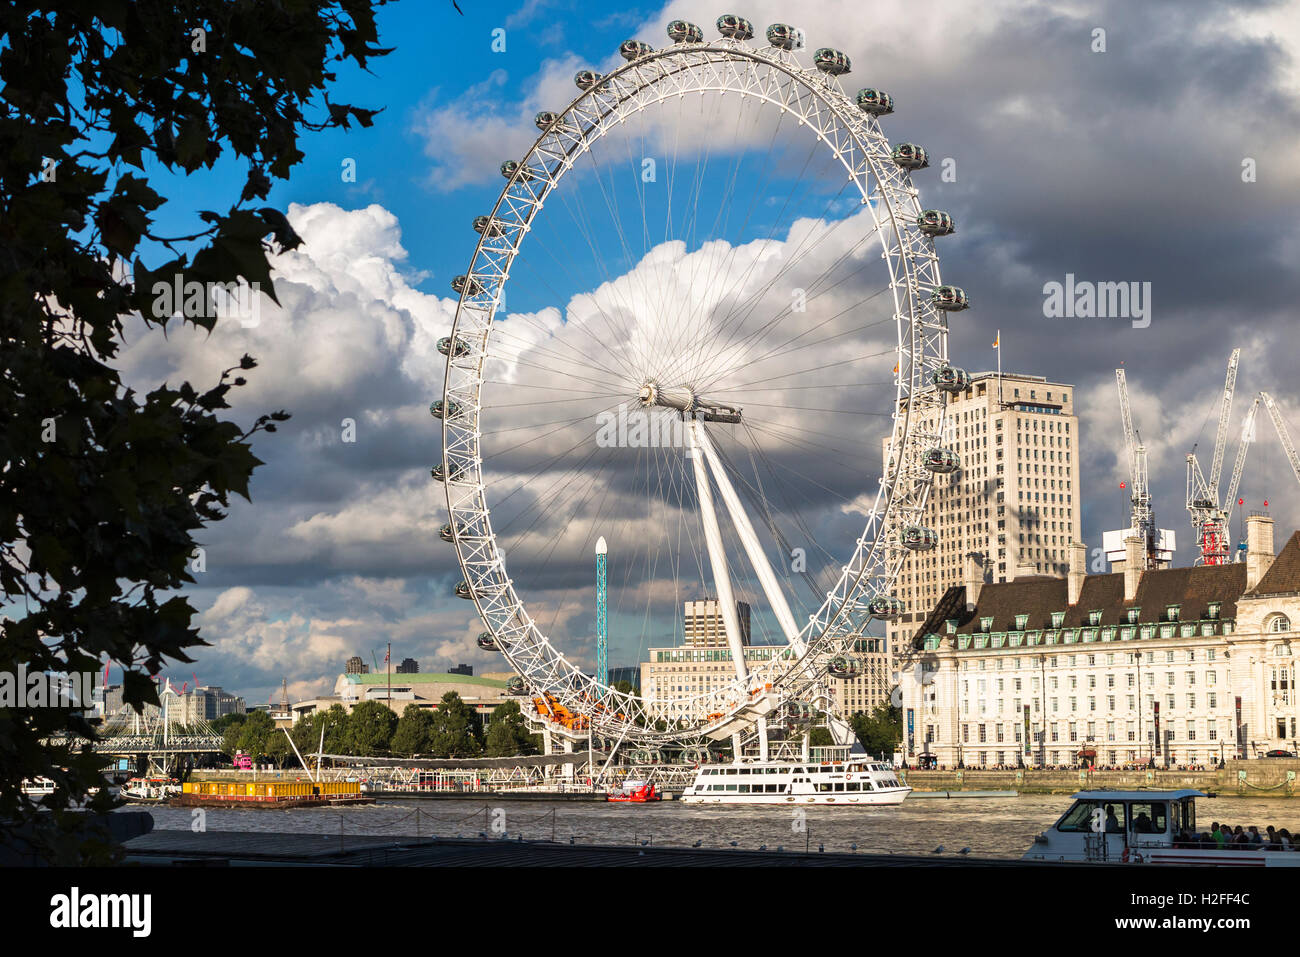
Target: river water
[989, 827]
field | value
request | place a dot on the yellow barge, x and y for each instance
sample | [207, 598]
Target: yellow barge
[270, 794]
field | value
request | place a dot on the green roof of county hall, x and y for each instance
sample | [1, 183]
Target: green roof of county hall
[423, 678]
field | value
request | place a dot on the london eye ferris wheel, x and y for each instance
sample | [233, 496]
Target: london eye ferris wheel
[725, 352]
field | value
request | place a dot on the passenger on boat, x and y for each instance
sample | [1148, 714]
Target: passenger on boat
[1254, 835]
[1217, 835]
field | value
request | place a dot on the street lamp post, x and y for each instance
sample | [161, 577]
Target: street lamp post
[1137, 661]
[1042, 704]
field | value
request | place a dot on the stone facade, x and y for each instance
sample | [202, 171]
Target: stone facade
[1114, 669]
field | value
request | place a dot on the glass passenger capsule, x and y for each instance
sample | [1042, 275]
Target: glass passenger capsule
[935, 222]
[910, 156]
[586, 79]
[885, 607]
[832, 61]
[547, 120]
[950, 298]
[942, 461]
[783, 36]
[679, 31]
[919, 538]
[737, 28]
[951, 379]
[632, 49]
[486, 641]
[515, 686]
[446, 533]
[444, 410]
[461, 284]
[510, 167]
[486, 225]
[457, 351]
[440, 475]
[842, 667]
[464, 591]
[695, 754]
[800, 710]
[875, 102]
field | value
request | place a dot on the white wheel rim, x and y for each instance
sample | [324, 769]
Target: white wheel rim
[855, 138]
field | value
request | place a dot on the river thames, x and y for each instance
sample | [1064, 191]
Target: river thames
[989, 827]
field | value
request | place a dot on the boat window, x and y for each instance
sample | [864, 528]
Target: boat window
[823, 786]
[867, 786]
[839, 785]
[1148, 818]
[1078, 818]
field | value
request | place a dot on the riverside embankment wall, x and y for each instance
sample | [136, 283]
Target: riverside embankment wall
[1260, 778]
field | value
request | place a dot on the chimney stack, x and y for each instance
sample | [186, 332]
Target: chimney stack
[1078, 570]
[973, 579]
[1133, 556]
[1259, 548]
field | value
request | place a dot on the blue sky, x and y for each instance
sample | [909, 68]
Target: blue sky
[438, 55]
[1116, 166]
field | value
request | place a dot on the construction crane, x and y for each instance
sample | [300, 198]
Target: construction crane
[1283, 435]
[1247, 436]
[1140, 491]
[1209, 519]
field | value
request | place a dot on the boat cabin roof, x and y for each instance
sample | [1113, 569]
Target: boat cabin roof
[1138, 795]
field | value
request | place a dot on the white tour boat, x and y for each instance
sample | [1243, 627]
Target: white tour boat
[855, 781]
[37, 788]
[1146, 827]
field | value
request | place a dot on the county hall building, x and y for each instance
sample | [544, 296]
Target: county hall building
[1176, 666]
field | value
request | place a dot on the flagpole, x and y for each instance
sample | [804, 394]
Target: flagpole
[997, 343]
[388, 666]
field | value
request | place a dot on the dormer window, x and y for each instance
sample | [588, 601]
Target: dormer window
[1213, 610]
[1058, 617]
[1171, 612]
[951, 626]
[1131, 616]
[986, 624]
[1021, 621]
[1094, 617]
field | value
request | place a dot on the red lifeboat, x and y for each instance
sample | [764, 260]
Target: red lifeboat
[634, 792]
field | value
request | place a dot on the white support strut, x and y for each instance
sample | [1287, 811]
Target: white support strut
[717, 556]
[762, 567]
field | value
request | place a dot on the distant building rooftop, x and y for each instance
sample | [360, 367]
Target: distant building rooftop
[423, 678]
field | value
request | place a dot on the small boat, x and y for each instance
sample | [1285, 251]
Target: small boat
[153, 790]
[851, 782]
[1146, 827]
[634, 792]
